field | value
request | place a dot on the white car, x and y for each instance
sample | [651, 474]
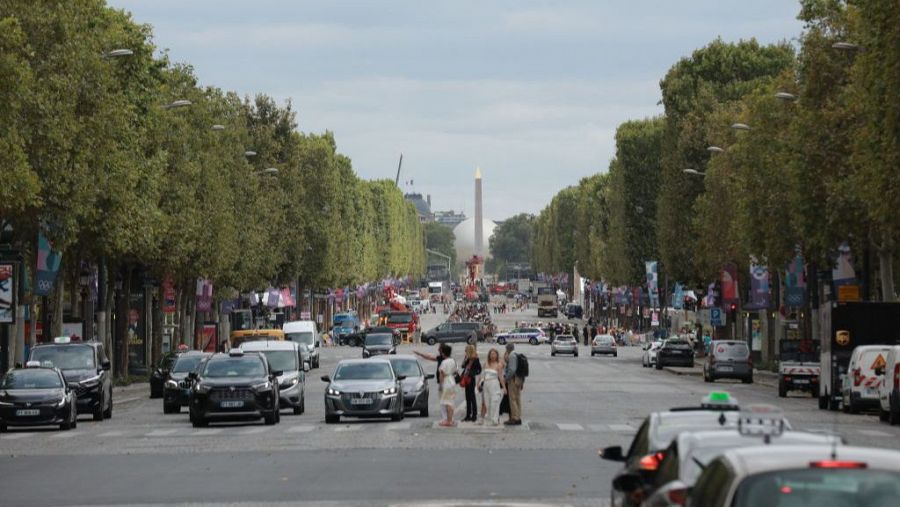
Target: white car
[648, 358]
[860, 385]
[889, 391]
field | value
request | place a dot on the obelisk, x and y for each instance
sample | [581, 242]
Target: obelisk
[479, 220]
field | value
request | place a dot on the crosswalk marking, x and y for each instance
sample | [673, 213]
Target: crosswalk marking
[620, 427]
[207, 432]
[570, 427]
[160, 433]
[255, 431]
[16, 436]
[66, 434]
[399, 426]
[302, 428]
[111, 434]
[344, 429]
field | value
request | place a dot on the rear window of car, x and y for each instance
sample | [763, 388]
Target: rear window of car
[731, 350]
[867, 358]
[565, 338]
[603, 339]
[677, 344]
[819, 486]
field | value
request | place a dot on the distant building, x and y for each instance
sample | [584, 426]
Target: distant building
[423, 206]
[449, 218]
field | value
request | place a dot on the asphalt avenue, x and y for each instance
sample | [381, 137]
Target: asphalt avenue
[572, 407]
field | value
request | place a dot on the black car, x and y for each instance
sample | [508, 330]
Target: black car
[85, 367]
[359, 338]
[450, 332]
[36, 396]
[378, 343]
[234, 386]
[177, 389]
[675, 353]
[574, 311]
[161, 373]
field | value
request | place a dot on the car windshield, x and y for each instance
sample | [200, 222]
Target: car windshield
[677, 344]
[31, 379]
[185, 364]
[364, 371]
[281, 360]
[400, 318]
[406, 367]
[303, 337]
[379, 339]
[225, 367]
[66, 357]
[820, 487]
[341, 318]
[565, 338]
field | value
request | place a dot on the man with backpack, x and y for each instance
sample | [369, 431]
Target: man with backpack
[515, 371]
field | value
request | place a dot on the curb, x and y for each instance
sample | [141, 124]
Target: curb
[689, 372]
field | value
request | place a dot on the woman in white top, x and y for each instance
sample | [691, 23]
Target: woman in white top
[493, 386]
[447, 380]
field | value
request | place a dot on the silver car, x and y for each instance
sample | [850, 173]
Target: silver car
[648, 358]
[564, 344]
[604, 344]
[363, 388]
[819, 475]
[415, 385]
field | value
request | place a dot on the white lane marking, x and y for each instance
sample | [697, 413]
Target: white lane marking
[875, 433]
[570, 427]
[620, 427]
[255, 431]
[111, 434]
[399, 426]
[301, 428]
[16, 436]
[206, 432]
[344, 429]
[65, 434]
[160, 433]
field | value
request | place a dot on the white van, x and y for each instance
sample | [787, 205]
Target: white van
[306, 334]
[860, 384]
[889, 392]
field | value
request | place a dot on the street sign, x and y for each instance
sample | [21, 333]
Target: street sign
[716, 317]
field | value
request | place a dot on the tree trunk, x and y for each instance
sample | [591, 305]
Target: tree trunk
[886, 268]
[59, 297]
[156, 344]
[122, 310]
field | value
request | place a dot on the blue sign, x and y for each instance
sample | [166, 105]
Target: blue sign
[716, 317]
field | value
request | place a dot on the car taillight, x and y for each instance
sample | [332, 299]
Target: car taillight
[677, 496]
[651, 462]
[857, 376]
[787, 378]
[833, 463]
[897, 376]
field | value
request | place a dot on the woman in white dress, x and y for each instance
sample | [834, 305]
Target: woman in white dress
[493, 386]
[447, 372]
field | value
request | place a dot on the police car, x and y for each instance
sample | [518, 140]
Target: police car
[530, 335]
[36, 395]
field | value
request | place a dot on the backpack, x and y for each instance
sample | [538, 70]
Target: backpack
[521, 366]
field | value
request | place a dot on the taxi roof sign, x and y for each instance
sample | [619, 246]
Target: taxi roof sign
[62, 339]
[33, 364]
[236, 353]
[719, 400]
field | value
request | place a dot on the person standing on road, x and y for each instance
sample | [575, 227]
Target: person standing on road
[471, 371]
[493, 386]
[514, 385]
[437, 374]
[586, 333]
[447, 372]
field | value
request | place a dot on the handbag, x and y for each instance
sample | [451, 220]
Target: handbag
[464, 379]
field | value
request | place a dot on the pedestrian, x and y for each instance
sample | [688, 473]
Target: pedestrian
[586, 333]
[493, 387]
[447, 372]
[438, 358]
[514, 385]
[471, 371]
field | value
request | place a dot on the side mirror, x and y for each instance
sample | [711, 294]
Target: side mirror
[429, 376]
[326, 378]
[627, 482]
[276, 373]
[613, 453]
[401, 377]
[305, 367]
[105, 365]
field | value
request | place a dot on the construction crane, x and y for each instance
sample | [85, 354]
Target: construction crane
[397, 179]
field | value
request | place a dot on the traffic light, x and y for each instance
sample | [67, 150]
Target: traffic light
[732, 308]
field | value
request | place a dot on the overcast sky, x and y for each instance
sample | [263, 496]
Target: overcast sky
[530, 91]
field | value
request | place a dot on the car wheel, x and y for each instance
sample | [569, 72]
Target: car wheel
[616, 354]
[197, 421]
[332, 419]
[169, 408]
[66, 426]
[107, 414]
[430, 340]
[823, 402]
[98, 412]
[845, 403]
[833, 404]
[423, 412]
[659, 365]
[3, 428]
[553, 354]
[883, 415]
[893, 416]
[747, 380]
[782, 390]
[576, 354]
[852, 407]
[533, 341]
[271, 418]
[302, 407]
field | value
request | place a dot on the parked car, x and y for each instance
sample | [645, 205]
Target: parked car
[564, 344]
[604, 344]
[648, 358]
[363, 388]
[477, 327]
[415, 385]
[450, 332]
[861, 383]
[530, 335]
[728, 359]
[675, 352]
[889, 391]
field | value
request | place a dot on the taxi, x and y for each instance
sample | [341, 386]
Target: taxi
[530, 335]
[255, 335]
[36, 395]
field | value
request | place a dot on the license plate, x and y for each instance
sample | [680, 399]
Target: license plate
[232, 404]
[30, 411]
[726, 368]
[361, 401]
[799, 381]
[871, 393]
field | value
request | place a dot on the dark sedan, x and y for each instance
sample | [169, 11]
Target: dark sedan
[234, 386]
[36, 396]
[177, 388]
[675, 353]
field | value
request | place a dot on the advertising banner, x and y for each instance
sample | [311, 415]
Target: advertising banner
[286, 298]
[730, 292]
[653, 283]
[136, 332]
[204, 295]
[48, 263]
[678, 297]
[795, 283]
[843, 276]
[710, 300]
[759, 287]
[272, 297]
[169, 302]
[7, 293]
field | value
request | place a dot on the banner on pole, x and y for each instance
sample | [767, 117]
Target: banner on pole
[678, 297]
[759, 286]
[730, 292]
[204, 295]
[48, 263]
[7, 293]
[653, 283]
[795, 283]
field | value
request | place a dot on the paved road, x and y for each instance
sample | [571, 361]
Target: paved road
[573, 406]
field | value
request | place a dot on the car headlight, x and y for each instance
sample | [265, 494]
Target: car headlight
[333, 392]
[4, 403]
[265, 386]
[172, 384]
[90, 382]
[392, 390]
[61, 403]
[291, 383]
[420, 386]
[201, 388]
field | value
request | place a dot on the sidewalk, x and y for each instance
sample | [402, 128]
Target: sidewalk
[763, 377]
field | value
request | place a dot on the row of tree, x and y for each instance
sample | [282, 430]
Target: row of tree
[763, 151]
[122, 159]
